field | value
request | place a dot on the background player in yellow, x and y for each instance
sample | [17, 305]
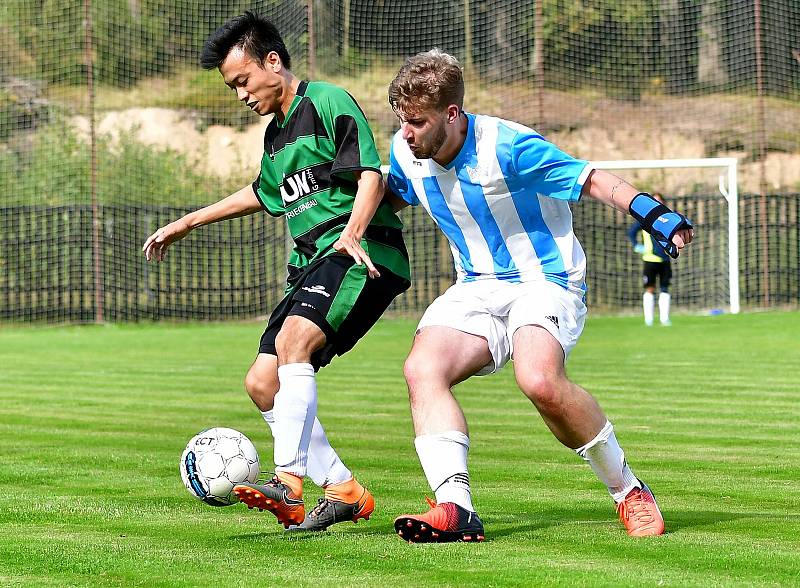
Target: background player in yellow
[656, 268]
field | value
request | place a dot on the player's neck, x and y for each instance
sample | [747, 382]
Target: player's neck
[290, 91]
[454, 142]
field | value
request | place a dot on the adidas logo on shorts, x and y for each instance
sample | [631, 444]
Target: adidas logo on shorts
[552, 319]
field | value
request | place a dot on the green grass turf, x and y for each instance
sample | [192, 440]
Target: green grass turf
[93, 420]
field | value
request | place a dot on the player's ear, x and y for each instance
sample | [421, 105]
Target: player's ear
[273, 62]
[452, 113]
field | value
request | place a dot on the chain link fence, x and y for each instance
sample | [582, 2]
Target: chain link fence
[108, 128]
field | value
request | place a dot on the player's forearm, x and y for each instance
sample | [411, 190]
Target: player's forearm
[240, 203]
[368, 198]
[609, 189]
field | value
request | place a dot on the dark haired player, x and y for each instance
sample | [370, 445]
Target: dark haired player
[321, 171]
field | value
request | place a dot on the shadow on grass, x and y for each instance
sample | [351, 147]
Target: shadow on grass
[688, 519]
[524, 523]
[342, 532]
[675, 520]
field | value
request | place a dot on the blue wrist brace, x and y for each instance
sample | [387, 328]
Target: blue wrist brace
[658, 220]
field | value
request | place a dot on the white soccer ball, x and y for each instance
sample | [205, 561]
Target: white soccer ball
[214, 461]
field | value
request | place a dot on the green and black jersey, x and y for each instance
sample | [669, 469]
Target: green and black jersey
[307, 174]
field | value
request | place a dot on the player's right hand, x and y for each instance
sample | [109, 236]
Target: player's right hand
[349, 245]
[155, 247]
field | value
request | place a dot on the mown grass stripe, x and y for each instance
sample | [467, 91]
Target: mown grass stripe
[93, 420]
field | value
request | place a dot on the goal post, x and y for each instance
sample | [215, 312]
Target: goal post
[727, 186]
[613, 268]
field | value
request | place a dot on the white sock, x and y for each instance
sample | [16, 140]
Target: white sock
[324, 465]
[608, 461]
[648, 303]
[444, 460]
[294, 411]
[663, 307]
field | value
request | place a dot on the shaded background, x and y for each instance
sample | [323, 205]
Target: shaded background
[109, 128]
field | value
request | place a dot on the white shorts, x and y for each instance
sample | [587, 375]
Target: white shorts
[494, 310]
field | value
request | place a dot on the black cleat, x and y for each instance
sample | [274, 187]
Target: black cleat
[329, 512]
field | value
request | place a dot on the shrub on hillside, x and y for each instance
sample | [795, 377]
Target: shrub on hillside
[53, 166]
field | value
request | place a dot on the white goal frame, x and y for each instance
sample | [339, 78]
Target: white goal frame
[728, 187]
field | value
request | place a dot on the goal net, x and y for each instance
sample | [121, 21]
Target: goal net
[706, 274]
[109, 128]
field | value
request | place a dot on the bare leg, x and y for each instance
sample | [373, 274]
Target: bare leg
[570, 412]
[440, 358]
[261, 381]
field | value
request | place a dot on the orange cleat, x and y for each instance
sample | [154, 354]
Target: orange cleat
[444, 522]
[329, 512]
[274, 496]
[348, 501]
[639, 513]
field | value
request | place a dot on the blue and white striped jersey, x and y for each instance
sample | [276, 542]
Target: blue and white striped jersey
[502, 203]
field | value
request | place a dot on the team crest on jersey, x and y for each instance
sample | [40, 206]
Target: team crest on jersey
[297, 185]
[474, 173]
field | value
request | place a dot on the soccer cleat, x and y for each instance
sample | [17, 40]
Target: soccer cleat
[329, 512]
[639, 513]
[274, 496]
[444, 522]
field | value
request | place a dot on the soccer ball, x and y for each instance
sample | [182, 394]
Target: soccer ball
[214, 461]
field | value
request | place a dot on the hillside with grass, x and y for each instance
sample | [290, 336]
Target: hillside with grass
[185, 139]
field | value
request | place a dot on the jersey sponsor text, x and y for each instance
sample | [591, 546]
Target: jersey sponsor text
[297, 185]
[302, 208]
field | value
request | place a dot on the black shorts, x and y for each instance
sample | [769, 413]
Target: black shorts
[654, 270]
[340, 298]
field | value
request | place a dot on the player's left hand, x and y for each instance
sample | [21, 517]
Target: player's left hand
[682, 238]
[351, 246]
[670, 229]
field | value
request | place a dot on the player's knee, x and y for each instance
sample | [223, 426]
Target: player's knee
[412, 372]
[419, 372]
[541, 389]
[261, 389]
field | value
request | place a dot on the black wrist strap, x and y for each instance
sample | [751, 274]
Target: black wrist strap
[654, 214]
[647, 220]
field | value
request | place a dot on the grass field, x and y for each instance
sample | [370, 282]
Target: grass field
[93, 421]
